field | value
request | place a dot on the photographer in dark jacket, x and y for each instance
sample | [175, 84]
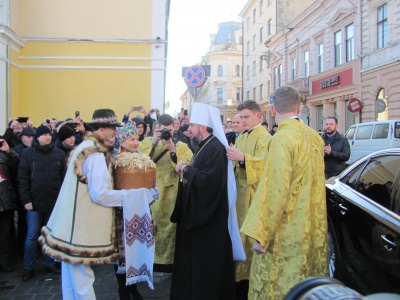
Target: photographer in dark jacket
[8, 200]
[40, 175]
[336, 150]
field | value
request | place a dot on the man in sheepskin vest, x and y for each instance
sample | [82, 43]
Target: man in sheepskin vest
[81, 230]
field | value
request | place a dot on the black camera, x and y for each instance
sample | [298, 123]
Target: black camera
[165, 134]
[1, 143]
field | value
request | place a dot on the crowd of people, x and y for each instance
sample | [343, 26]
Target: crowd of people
[240, 210]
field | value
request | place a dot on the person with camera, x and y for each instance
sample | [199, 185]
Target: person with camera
[165, 152]
[13, 133]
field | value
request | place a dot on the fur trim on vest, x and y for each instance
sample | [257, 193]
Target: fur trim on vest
[80, 231]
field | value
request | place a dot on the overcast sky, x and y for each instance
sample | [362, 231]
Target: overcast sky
[190, 24]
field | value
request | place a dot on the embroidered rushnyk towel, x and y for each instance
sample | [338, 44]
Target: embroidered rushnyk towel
[138, 236]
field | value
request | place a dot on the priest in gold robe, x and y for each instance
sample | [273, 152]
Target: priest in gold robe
[165, 152]
[248, 155]
[287, 217]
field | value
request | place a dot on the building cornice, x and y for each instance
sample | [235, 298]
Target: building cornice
[9, 36]
[98, 40]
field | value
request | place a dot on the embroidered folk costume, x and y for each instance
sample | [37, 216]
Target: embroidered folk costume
[81, 230]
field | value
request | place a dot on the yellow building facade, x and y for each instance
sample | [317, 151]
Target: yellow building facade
[57, 57]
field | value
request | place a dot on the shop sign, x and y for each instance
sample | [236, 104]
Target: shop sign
[354, 105]
[329, 82]
[333, 82]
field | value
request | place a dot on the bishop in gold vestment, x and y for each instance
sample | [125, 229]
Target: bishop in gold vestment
[288, 213]
[254, 145]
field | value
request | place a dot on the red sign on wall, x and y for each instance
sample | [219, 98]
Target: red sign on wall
[354, 105]
[332, 82]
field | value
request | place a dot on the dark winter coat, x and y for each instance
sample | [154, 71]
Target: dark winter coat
[58, 143]
[20, 148]
[8, 170]
[40, 175]
[335, 162]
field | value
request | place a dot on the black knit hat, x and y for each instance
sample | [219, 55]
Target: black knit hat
[28, 131]
[42, 129]
[104, 118]
[65, 132]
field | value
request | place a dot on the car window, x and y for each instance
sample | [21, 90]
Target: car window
[364, 132]
[397, 129]
[351, 178]
[376, 179]
[350, 133]
[381, 131]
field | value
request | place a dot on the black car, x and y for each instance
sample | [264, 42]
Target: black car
[363, 205]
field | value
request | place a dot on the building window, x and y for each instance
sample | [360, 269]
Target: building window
[382, 26]
[237, 70]
[277, 77]
[262, 91]
[269, 27]
[248, 48]
[261, 34]
[268, 87]
[261, 7]
[254, 42]
[254, 68]
[320, 51]
[248, 72]
[261, 63]
[338, 48]
[350, 42]
[238, 94]
[248, 95]
[248, 23]
[220, 94]
[306, 64]
[254, 94]
[254, 15]
[293, 68]
[220, 71]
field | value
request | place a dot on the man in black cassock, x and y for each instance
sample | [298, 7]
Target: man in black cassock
[203, 264]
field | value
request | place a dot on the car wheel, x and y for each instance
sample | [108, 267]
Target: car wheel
[333, 254]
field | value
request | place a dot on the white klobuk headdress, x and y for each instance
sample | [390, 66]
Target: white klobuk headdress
[210, 116]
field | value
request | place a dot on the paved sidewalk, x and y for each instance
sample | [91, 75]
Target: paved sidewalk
[45, 286]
